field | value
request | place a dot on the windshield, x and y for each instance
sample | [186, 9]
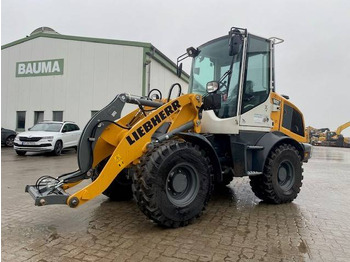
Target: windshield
[48, 127]
[211, 64]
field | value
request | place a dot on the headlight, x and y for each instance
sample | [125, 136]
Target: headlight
[48, 138]
[17, 138]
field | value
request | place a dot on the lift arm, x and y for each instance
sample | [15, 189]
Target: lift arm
[124, 140]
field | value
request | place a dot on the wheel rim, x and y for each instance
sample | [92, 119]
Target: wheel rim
[182, 185]
[58, 147]
[286, 175]
[9, 141]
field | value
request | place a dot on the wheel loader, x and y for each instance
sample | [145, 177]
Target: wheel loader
[169, 153]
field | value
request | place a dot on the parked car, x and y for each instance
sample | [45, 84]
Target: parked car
[7, 136]
[48, 136]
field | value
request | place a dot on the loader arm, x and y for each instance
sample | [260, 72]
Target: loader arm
[123, 141]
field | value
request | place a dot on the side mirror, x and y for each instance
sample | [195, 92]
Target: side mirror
[179, 70]
[235, 44]
[212, 86]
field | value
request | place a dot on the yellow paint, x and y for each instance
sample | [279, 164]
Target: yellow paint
[113, 142]
[277, 117]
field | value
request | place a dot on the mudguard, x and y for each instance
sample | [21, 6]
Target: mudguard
[270, 141]
[204, 143]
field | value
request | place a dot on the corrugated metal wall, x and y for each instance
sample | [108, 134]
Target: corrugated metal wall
[93, 74]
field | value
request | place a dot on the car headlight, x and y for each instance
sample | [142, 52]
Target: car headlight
[16, 138]
[48, 138]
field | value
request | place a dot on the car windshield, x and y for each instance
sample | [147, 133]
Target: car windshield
[47, 127]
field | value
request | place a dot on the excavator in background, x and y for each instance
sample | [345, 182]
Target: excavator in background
[169, 153]
[316, 135]
[335, 138]
[325, 137]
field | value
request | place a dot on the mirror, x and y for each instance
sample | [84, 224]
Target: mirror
[179, 70]
[235, 44]
[212, 86]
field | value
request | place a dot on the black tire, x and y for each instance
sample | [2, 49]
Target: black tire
[282, 177]
[58, 148]
[120, 188]
[173, 183]
[21, 153]
[9, 141]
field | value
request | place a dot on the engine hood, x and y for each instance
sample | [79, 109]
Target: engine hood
[36, 134]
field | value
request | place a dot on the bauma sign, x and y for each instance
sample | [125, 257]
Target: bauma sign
[40, 68]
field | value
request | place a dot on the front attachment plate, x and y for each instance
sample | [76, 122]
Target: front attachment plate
[58, 196]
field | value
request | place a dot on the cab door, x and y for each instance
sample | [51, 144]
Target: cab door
[255, 109]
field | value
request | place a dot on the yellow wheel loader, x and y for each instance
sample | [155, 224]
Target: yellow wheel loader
[169, 153]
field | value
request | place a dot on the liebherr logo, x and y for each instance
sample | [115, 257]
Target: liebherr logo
[153, 122]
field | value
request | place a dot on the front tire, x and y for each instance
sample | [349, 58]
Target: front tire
[173, 183]
[282, 177]
[58, 148]
[9, 141]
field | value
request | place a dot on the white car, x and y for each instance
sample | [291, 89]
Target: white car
[48, 136]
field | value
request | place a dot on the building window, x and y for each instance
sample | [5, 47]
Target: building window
[38, 117]
[57, 115]
[21, 120]
[93, 112]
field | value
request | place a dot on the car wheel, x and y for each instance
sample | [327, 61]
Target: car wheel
[21, 153]
[58, 148]
[9, 141]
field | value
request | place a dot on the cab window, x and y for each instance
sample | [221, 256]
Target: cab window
[256, 86]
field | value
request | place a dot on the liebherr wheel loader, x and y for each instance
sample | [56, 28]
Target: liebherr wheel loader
[170, 152]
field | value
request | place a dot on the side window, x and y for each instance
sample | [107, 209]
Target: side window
[257, 80]
[229, 97]
[65, 129]
[75, 127]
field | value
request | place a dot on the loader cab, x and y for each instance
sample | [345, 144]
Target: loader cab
[244, 79]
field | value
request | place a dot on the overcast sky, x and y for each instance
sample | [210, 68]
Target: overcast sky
[312, 65]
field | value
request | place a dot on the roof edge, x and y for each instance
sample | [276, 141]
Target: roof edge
[77, 38]
[166, 61]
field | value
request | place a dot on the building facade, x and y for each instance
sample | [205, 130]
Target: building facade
[49, 76]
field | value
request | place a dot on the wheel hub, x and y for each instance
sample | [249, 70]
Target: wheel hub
[286, 175]
[179, 182]
[182, 184]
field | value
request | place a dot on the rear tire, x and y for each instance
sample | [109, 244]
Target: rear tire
[173, 183]
[21, 153]
[282, 177]
[120, 188]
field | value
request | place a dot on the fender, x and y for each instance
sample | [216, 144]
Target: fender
[204, 143]
[270, 141]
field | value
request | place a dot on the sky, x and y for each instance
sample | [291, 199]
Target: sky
[312, 65]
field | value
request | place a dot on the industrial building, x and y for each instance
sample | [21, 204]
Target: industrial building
[50, 76]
